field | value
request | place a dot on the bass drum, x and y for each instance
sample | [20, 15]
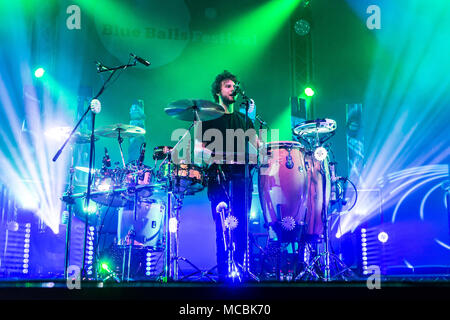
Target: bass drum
[147, 229]
[319, 191]
[282, 186]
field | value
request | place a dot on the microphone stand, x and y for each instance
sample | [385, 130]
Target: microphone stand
[246, 267]
[91, 152]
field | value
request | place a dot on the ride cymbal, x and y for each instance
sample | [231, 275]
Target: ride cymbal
[191, 110]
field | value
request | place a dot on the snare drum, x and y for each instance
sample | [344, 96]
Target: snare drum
[282, 185]
[147, 229]
[143, 180]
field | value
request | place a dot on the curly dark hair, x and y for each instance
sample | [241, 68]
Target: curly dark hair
[216, 85]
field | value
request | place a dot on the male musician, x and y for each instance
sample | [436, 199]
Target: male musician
[226, 179]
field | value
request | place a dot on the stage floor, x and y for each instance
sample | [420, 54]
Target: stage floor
[423, 287]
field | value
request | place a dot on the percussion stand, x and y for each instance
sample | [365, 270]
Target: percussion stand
[70, 202]
[327, 255]
[131, 233]
[120, 141]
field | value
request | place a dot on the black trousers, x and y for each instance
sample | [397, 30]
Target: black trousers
[227, 184]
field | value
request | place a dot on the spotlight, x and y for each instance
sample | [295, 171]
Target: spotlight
[39, 72]
[383, 237]
[57, 133]
[320, 153]
[173, 225]
[309, 91]
[302, 27]
[92, 208]
[110, 273]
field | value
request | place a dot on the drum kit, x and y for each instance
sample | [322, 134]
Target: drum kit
[294, 187]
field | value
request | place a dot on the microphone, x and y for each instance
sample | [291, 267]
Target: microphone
[106, 159]
[221, 207]
[100, 67]
[261, 121]
[237, 89]
[141, 156]
[140, 60]
[251, 105]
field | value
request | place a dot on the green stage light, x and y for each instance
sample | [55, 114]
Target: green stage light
[105, 267]
[39, 72]
[309, 92]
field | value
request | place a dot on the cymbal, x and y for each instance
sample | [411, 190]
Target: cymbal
[187, 110]
[80, 138]
[125, 130]
[85, 169]
[62, 133]
[313, 127]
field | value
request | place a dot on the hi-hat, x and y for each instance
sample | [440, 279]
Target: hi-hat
[190, 110]
[125, 131]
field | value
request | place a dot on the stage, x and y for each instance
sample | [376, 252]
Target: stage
[260, 151]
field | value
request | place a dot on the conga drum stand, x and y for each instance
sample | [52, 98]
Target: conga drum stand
[322, 261]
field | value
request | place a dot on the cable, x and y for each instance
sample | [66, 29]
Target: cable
[356, 193]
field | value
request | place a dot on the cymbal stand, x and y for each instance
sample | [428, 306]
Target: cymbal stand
[120, 141]
[131, 233]
[171, 268]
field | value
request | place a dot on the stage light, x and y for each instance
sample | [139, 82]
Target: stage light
[383, 237]
[39, 72]
[105, 267]
[309, 91]
[92, 208]
[302, 27]
[58, 133]
[173, 225]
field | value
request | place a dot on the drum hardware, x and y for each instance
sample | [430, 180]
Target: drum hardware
[326, 254]
[130, 239]
[314, 133]
[187, 110]
[120, 131]
[70, 201]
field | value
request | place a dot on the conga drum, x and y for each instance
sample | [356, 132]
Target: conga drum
[319, 190]
[282, 186]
